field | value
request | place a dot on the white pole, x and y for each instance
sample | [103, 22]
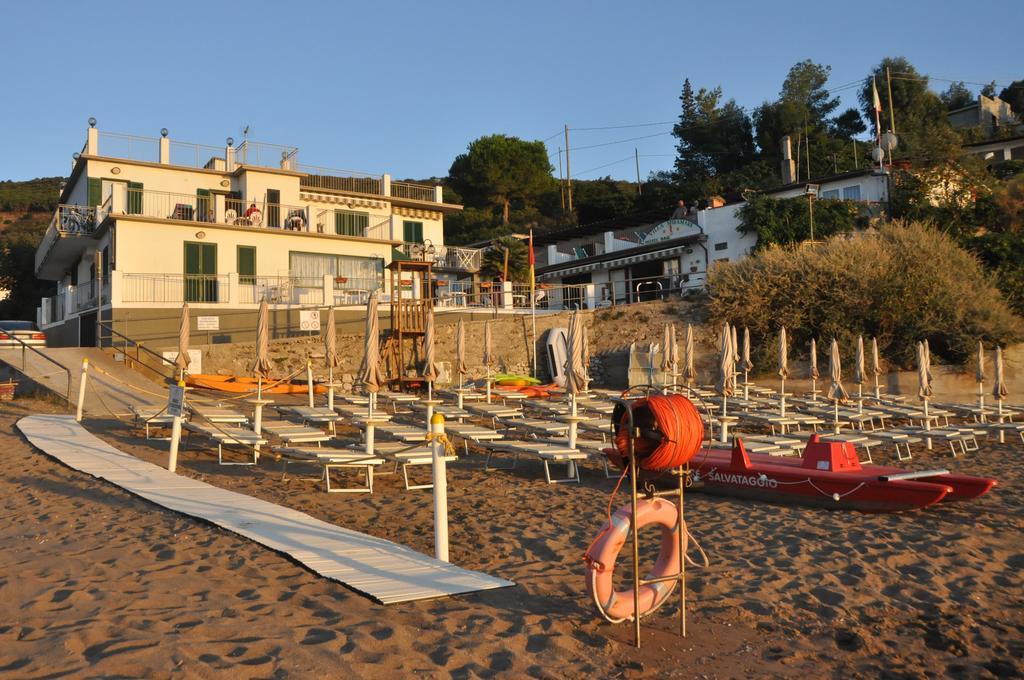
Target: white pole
[369, 436]
[814, 389]
[725, 423]
[172, 456]
[259, 385]
[460, 390]
[746, 385]
[488, 381]
[309, 380]
[860, 399]
[430, 403]
[927, 424]
[330, 387]
[981, 399]
[257, 422]
[440, 489]
[81, 390]
[878, 390]
[782, 399]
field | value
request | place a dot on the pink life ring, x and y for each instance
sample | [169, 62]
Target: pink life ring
[617, 606]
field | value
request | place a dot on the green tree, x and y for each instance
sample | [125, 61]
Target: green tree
[714, 137]
[925, 134]
[1013, 94]
[499, 169]
[493, 264]
[957, 96]
[787, 221]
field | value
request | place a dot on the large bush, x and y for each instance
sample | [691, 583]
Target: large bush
[902, 283]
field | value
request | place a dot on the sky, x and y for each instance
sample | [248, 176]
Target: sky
[404, 87]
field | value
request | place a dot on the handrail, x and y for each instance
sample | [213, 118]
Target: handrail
[160, 359]
[25, 345]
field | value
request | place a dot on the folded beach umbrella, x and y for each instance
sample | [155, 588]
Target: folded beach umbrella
[261, 366]
[666, 350]
[735, 355]
[575, 375]
[371, 377]
[488, 360]
[585, 342]
[689, 370]
[745, 363]
[183, 359]
[673, 355]
[726, 366]
[924, 383]
[998, 386]
[812, 370]
[836, 391]
[331, 357]
[876, 366]
[460, 351]
[430, 368]
[979, 374]
[928, 361]
[783, 369]
[859, 373]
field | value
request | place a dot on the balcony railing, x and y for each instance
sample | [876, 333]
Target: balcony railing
[281, 290]
[376, 227]
[418, 192]
[266, 155]
[89, 295]
[174, 288]
[341, 180]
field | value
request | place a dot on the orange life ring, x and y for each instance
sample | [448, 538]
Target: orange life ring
[617, 606]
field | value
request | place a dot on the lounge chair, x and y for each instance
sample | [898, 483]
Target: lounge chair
[226, 435]
[547, 453]
[151, 417]
[293, 433]
[332, 459]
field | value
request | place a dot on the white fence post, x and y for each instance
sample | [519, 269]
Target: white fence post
[440, 488]
[81, 390]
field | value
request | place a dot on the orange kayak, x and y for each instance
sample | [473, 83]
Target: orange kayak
[240, 384]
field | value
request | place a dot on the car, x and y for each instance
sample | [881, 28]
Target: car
[26, 331]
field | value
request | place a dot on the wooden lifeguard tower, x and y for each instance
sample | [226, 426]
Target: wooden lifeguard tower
[412, 298]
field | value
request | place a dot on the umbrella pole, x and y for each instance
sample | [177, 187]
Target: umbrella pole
[309, 380]
[330, 387]
[724, 422]
[860, 399]
[430, 402]
[814, 389]
[460, 390]
[927, 424]
[782, 399]
[572, 432]
[878, 391]
[835, 417]
[1002, 433]
[488, 381]
[259, 386]
[981, 398]
[746, 384]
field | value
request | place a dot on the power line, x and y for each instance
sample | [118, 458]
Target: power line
[622, 127]
[599, 167]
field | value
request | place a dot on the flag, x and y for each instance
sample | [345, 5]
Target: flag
[875, 101]
[533, 261]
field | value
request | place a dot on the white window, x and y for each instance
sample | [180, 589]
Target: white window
[830, 194]
[722, 245]
[851, 193]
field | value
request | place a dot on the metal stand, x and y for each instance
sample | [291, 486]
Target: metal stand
[681, 474]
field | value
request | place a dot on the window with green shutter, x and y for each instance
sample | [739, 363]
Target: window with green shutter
[134, 198]
[412, 232]
[247, 265]
[95, 186]
[349, 223]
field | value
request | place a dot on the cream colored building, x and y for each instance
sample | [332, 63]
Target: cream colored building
[145, 224]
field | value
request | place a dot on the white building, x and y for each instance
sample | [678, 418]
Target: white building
[632, 259]
[145, 224]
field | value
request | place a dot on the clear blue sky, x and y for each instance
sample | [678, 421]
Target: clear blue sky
[403, 87]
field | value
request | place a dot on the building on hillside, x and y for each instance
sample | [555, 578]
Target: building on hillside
[145, 224]
[987, 115]
[632, 259]
[996, 150]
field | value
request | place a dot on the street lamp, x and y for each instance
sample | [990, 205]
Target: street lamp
[811, 190]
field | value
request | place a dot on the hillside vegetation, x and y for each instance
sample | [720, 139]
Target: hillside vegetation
[903, 283]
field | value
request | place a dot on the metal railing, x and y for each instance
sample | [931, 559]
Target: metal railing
[281, 290]
[349, 290]
[174, 288]
[266, 155]
[55, 310]
[333, 179]
[192, 155]
[418, 192]
[129, 147]
[68, 221]
[25, 347]
[89, 295]
[377, 227]
[161, 364]
[446, 257]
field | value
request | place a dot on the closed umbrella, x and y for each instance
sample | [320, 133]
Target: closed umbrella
[836, 391]
[924, 385]
[928, 360]
[979, 375]
[735, 356]
[876, 366]
[183, 359]
[585, 342]
[746, 363]
[430, 368]
[858, 373]
[460, 356]
[487, 357]
[331, 357]
[726, 367]
[575, 374]
[261, 366]
[783, 369]
[371, 377]
[689, 370]
[813, 370]
[999, 389]
[674, 357]
[666, 357]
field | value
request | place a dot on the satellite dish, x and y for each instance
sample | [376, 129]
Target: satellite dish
[890, 141]
[877, 154]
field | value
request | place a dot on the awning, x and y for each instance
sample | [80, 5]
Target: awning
[581, 266]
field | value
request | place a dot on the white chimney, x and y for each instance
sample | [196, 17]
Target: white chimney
[788, 164]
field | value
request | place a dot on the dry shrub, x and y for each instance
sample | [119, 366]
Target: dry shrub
[902, 283]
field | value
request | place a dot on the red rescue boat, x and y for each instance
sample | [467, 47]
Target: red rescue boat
[829, 474]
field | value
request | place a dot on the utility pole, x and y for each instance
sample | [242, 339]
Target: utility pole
[639, 189]
[561, 180]
[892, 112]
[568, 168]
[856, 164]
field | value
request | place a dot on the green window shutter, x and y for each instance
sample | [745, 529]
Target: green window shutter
[95, 186]
[204, 206]
[412, 232]
[192, 265]
[134, 198]
[348, 223]
[247, 265]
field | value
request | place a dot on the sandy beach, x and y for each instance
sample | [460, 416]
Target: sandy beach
[95, 582]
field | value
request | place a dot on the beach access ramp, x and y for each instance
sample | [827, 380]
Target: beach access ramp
[385, 571]
[112, 386]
